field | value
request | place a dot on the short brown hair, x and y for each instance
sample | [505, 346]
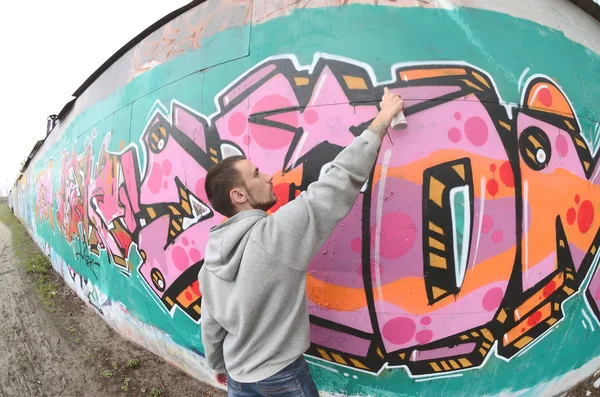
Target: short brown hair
[220, 180]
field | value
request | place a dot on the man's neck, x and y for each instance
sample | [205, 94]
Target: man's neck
[243, 208]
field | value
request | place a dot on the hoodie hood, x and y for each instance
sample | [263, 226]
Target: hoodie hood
[227, 242]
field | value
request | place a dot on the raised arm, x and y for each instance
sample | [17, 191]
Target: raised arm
[298, 229]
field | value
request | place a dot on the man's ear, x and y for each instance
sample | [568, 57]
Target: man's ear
[237, 196]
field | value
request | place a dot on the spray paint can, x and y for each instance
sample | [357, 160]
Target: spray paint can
[399, 122]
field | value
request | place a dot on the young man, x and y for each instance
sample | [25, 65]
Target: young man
[255, 325]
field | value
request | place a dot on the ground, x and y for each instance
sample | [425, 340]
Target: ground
[589, 387]
[54, 345]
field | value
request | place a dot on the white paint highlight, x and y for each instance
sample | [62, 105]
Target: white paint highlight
[460, 264]
[540, 155]
[320, 85]
[526, 226]
[299, 148]
[439, 377]
[587, 318]
[522, 77]
[481, 208]
[380, 196]
[541, 87]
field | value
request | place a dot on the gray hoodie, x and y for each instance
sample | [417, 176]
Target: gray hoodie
[253, 282]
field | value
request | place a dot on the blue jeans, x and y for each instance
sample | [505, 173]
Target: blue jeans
[292, 381]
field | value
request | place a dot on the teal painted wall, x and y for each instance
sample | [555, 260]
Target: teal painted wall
[116, 195]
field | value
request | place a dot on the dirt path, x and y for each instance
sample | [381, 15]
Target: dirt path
[35, 361]
[64, 349]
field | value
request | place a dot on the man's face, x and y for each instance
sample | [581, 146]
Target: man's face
[258, 186]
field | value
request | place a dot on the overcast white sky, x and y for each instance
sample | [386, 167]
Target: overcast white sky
[48, 49]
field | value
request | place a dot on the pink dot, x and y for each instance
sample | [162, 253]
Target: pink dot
[272, 138]
[457, 116]
[454, 134]
[506, 174]
[577, 198]
[545, 97]
[585, 218]
[492, 299]
[155, 179]
[165, 185]
[166, 168]
[199, 190]
[492, 187]
[237, 123]
[185, 241]
[493, 167]
[486, 224]
[195, 255]
[476, 131]
[571, 215]
[399, 330]
[497, 236]
[311, 116]
[424, 336]
[247, 140]
[398, 232]
[356, 245]
[426, 320]
[193, 242]
[562, 147]
[180, 258]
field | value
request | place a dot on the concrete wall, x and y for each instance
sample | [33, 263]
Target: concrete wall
[468, 265]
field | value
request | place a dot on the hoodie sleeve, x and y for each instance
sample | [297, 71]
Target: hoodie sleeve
[213, 335]
[298, 229]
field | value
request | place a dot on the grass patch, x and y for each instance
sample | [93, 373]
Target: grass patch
[125, 385]
[29, 257]
[87, 356]
[107, 373]
[24, 247]
[133, 363]
[155, 392]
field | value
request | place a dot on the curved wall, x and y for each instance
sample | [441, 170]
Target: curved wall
[468, 264]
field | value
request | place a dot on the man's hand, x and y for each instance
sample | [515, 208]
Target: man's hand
[390, 106]
[222, 379]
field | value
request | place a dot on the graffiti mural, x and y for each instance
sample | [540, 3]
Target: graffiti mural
[450, 254]
[71, 196]
[43, 205]
[430, 238]
[174, 215]
[112, 204]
